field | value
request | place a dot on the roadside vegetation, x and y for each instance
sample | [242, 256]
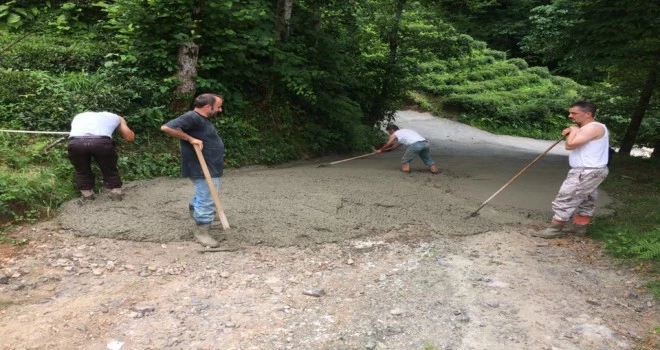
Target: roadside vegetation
[633, 231]
[322, 79]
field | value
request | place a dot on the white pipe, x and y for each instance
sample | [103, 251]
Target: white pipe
[37, 132]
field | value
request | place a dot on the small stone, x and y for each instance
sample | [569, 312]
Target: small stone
[4, 279]
[370, 345]
[144, 309]
[396, 312]
[350, 262]
[115, 345]
[97, 272]
[593, 302]
[314, 292]
[224, 274]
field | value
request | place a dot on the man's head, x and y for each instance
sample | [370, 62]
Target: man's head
[391, 128]
[582, 112]
[208, 105]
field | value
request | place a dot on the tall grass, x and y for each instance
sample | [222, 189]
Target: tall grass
[633, 231]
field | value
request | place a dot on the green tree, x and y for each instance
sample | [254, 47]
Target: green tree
[500, 23]
[615, 41]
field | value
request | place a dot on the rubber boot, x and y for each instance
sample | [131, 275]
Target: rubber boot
[203, 236]
[434, 169]
[553, 231]
[405, 168]
[579, 227]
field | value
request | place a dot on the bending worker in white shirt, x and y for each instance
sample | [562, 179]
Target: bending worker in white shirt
[417, 146]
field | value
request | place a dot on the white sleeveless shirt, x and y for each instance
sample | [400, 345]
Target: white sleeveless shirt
[593, 154]
[408, 137]
[94, 124]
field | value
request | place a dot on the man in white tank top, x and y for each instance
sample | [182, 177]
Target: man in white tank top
[417, 146]
[588, 142]
[91, 138]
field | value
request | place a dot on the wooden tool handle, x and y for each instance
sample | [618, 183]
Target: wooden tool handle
[214, 193]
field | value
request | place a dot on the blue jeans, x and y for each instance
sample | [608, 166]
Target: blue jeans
[202, 203]
[421, 149]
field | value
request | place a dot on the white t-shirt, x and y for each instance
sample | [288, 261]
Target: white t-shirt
[593, 154]
[408, 137]
[94, 124]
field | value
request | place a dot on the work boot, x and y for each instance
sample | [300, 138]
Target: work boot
[579, 226]
[405, 168]
[116, 194]
[87, 195]
[203, 236]
[578, 230]
[434, 169]
[554, 231]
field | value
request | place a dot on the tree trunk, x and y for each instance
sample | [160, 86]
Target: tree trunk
[656, 150]
[187, 69]
[638, 114]
[388, 88]
[283, 19]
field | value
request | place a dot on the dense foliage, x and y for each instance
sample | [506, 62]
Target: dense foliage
[504, 96]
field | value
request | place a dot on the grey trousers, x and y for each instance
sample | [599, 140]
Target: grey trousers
[578, 193]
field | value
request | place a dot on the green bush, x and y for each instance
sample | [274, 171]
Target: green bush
[53, 54]
[633, 230]
[31, 180]
[502, 96]
[518, 62]
[38, 100]
[542, 72]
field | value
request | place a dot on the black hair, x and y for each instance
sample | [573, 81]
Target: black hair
[586, 106]
[391, 127]
[205, 99]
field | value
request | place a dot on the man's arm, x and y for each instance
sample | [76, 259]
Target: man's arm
[125, 131]
[389, 145]
[179, 134]
[578, 137]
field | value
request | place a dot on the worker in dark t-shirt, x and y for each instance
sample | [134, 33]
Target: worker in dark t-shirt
[195, 128]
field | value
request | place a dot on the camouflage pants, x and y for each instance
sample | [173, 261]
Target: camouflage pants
[578, 193]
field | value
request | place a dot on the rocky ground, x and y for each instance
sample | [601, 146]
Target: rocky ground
[353, 256]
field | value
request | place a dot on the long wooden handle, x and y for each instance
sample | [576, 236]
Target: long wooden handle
[517, 175]
[346, 160]
[214, 193]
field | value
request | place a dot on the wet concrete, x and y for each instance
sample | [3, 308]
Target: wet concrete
[302, 204]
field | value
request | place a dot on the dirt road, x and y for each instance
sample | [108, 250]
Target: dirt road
[352, 256]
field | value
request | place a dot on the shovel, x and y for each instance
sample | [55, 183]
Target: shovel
[346, 160]
[476, 212]
[214, 193]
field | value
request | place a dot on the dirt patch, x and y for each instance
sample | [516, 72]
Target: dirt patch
[352, 256]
